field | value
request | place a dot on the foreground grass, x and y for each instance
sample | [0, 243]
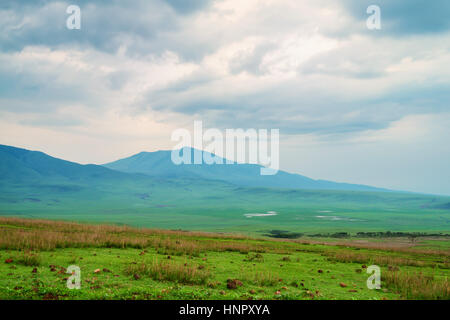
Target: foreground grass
[126, 263]
[417, 285]
[167, 271]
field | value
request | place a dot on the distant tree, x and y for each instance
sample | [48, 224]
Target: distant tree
[413, 238]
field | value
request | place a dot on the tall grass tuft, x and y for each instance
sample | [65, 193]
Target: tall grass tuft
[263, 279]
[417, 285]
[29, 259]
[167, 271]
[36, 234]
[385, 260]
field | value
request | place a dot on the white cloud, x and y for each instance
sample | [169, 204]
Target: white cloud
[307, 67]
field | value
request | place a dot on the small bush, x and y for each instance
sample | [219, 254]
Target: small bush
[283, 234]
[213, 284]
[257, 257]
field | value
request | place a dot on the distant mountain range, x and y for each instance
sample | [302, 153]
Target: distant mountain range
[159, 164]
[24, 165]
[21, 165]
[147, 189]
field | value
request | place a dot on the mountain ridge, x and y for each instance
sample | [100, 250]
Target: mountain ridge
[159, 164]
[36, 185]
[20, 164]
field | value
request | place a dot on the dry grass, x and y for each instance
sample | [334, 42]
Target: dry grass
[39, 239]
[48, 235]
[74, 227]
[371, 258]
[28, 258]
[417, 285]
[167, 271]
[394, 246]
[391, 245]
[263, 279]
[33, 234]
[255, 257]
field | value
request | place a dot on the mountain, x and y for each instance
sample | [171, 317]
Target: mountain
[159, 164]
[213, 198]
[26, 175]
[24, 165]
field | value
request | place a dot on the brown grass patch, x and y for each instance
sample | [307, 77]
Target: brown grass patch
[372, 258]
[167, 271]
[33, 234]
[417, 285]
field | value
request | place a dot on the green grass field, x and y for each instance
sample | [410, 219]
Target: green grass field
[35, 185]
[214, 206]
[126, 263]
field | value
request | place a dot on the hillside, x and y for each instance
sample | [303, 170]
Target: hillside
[36, 185]
[159, 164]
[21, 165]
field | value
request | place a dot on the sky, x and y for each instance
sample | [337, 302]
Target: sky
[352, 104]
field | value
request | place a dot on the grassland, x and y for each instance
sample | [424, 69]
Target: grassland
[214, 206]
[121, 262]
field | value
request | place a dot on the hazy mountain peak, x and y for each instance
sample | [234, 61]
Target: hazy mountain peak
[159, 164]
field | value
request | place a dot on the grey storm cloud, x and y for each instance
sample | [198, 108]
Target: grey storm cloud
[144, 26]
[299, 108]
[41, 90]
[188, 6]
[288, 107]
[105, 25]
[252, 63]
[156, 26]
[340, 94]
[152, 26]
[406, 17]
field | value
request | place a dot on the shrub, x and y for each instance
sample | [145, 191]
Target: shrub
[256, 257]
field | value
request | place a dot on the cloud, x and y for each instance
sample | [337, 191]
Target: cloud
[410, 154]
[292, 74]
[405, 17]
[354, 87]
[188, 6]
[310, 68]
[105, 25]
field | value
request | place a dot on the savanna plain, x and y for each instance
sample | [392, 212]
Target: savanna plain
[123, 262]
